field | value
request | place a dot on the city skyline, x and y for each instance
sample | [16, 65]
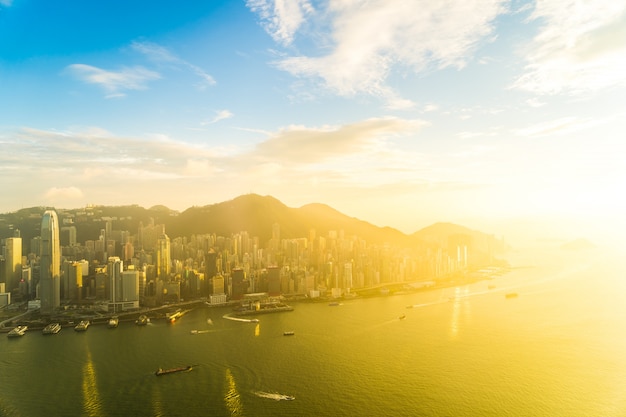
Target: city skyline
[469, 113]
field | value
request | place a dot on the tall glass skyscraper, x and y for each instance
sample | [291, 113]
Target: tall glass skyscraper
[50, 263]
[13, 258]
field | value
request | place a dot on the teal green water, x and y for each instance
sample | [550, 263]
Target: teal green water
[556, 350]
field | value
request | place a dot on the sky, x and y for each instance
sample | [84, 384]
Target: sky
[402, 113]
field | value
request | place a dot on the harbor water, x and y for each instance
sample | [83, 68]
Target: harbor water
[557, 349]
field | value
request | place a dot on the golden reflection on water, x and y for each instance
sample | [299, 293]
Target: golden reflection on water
[157, 410]
[460, 307]
[91, 399]
[232, 397]
[257, 329]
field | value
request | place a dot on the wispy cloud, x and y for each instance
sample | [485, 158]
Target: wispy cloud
[63, 194]
[6, 3]
[160, 54]
[115, 83]
[82, 151]
[562, 126]
[219, 115]
[581, 47]
[367, 41]
[281, 18]
[300, 144]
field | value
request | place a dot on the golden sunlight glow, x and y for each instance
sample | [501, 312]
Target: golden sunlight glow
[257, 329]
[91, 398]
[461, 306]
[157, 410]
[232, 397]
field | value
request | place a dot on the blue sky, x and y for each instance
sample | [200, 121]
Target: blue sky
[398, 112]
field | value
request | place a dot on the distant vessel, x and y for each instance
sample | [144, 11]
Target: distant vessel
[52, 328]
[82, 326]
[17, 331]
[491, 287]
[199, 331]
[162, 371]
[273, 396]
[254, 320]
[172, 317]
[402, 317]
[333, 304]
[510, 295]
[113, 322]
[288, 333]
[142, 320]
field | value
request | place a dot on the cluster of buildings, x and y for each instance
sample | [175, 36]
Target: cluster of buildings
[121, 271]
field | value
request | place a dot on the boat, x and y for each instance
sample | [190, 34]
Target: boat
[333, 304]
[113, 322]
[142, 320]
[172, 317]
[82, 326]
[491, 287]
[52, 328]
[274, 396]
[254, 320]
[402, 317]
[17, 331]
[288, 333]
[510, 295]
[162, 371]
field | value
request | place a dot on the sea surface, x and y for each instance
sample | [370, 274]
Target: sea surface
[558, 349]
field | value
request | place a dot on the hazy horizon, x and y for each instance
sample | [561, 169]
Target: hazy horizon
[496, 115]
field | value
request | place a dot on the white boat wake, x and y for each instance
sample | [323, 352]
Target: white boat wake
[274, 396]
[200, 331]
[226, 316]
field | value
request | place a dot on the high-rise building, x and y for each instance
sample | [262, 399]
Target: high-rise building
[163, 257]
[75, 281]
[115, 267]
[13, 263]
[50, 263]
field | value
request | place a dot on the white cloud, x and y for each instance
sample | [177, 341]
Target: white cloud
[281, 18]
[369, 40]
[581, 47]
[562, 126]
[160, 54]
[67, 193]
[6, 3]
[219, 115]
[115, 83]
[300, 144]
[94, 153]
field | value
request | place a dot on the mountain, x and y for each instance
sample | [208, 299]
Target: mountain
[256, 215]
[252, 213]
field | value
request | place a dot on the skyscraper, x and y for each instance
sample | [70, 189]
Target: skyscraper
[13, 263]
[163, 257]
[50, 263]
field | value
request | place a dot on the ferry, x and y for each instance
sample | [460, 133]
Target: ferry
[172, 317]
[162, 371]
[274, 396]
[82, 326]
[142, 320]
[17, 331]
[288, 333]
[52, 328]
[113, 322]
